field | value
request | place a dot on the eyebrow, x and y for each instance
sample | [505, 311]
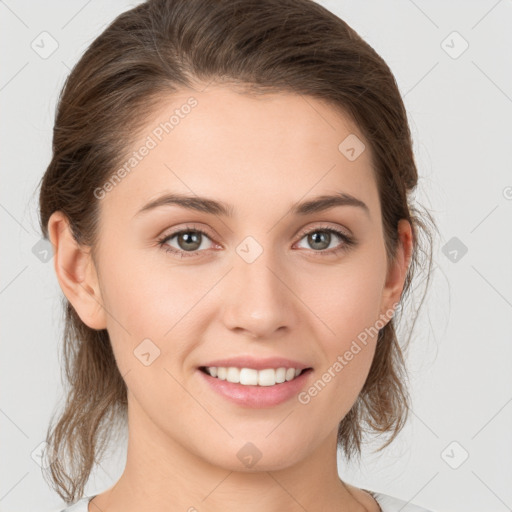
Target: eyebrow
[207, 205]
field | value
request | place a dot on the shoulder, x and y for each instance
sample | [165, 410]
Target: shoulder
[386, 502]
[81, 505]
[392, 504]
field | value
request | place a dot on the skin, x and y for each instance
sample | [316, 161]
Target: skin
[259, 155]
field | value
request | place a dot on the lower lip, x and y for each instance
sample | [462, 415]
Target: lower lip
[257, 396]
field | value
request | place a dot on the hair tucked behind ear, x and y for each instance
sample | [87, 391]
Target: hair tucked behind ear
[154, 50]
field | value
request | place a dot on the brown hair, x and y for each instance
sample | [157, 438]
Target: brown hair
[261, 46]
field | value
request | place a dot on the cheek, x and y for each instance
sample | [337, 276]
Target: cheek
[346, 299]
[348, 303]
[148, 300]
[146, 322]
[148, 297]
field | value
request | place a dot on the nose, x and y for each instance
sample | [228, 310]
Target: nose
[259, 299]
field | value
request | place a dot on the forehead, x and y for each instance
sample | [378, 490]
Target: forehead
[270, 149]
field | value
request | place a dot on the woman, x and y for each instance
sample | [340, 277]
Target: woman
[228, 201]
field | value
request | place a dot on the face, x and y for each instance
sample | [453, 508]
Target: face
[257, 272]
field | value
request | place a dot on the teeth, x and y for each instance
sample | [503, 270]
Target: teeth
[251, 377]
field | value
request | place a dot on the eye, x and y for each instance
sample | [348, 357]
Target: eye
[189, 241]
[320, 239]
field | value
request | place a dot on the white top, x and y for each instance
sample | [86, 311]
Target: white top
[387, 504]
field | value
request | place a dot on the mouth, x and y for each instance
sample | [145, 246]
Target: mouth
[266, 377]
[256, 388]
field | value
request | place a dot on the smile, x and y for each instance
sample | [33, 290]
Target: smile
[252, 377]
[264, 388]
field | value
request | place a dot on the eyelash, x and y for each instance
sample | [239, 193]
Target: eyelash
[347, 241]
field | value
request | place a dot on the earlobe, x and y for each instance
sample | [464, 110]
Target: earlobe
[76, 273]
[397, 273]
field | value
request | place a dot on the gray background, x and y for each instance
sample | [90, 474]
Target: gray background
[459, 105]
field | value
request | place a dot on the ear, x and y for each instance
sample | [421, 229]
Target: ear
[76, 273]
[397, 270]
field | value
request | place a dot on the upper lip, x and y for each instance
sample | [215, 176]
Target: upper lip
[257, 363]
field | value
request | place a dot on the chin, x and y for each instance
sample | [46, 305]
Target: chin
[258, 455]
